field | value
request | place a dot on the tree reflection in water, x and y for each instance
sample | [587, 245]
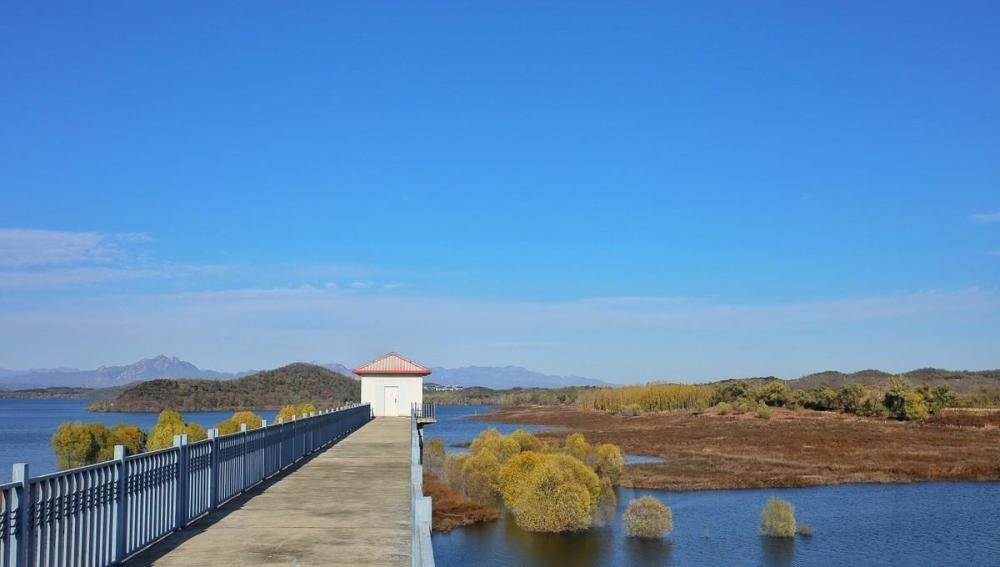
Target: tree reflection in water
[579, 549]
[778, 551]
[640, 551]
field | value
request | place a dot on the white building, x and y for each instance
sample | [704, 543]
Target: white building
[392, 384]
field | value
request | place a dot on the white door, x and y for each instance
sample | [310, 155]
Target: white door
[391, 405]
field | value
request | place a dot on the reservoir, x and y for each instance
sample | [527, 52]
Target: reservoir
[861, 524]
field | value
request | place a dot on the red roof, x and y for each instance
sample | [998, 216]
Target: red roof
[393, 364]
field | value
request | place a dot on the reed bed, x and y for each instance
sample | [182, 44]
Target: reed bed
[653, 397]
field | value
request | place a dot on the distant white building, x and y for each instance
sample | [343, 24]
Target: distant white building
[392, 384]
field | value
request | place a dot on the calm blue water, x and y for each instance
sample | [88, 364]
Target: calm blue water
[26, 427]
[454, 429]
[897, 524]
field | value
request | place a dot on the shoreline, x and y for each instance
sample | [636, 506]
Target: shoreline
[794, 449]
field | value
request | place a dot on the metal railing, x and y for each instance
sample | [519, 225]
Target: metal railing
[423, 410]
[104, 513]
[421, 549]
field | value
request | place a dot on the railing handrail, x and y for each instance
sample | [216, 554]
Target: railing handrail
[67, 472]
[421, 548]
[136, 500]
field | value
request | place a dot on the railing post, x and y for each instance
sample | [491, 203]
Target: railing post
[264, 449]
[121, 489]
[312, 432]
[20, 516]
[281, 442]
[213, 470]
[243, 462]
[180, 442]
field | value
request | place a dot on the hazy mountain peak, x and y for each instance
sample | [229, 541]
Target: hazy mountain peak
[159, 366]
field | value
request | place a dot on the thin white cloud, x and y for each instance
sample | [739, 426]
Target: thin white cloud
[74, 277]
[361, 285]
[253, 293]
[334, 270]
[631, 300]
[50, 259]
[83, 276]
[992, 216]
[994, 252]
[20, 247]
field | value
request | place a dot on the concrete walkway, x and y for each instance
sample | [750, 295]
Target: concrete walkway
[349, 505]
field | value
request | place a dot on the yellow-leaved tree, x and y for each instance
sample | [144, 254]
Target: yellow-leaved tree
[171, 423]
[293, 411]
[77, 444]
[133, 438]
[232, 425]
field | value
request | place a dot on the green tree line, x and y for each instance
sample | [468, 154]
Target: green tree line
[899, 399]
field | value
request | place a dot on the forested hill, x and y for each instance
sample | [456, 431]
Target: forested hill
[962, 381]
[270, 389]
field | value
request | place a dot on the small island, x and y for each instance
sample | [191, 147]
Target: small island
[267, 390]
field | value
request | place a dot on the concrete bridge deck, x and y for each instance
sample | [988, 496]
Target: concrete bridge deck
[349, 505]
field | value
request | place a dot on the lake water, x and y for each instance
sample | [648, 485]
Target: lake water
[26, 428]
[871, 524]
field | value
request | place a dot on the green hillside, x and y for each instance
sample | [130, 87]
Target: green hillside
[270, 389]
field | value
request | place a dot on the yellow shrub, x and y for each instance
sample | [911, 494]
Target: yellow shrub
[526, 441]
[490, 440]
[609, 462]
[480, 474]
[647, 517]
[778, 518]
[577, 446]
[559, 494]
[512, 480]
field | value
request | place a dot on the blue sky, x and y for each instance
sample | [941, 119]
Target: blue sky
[629, 193]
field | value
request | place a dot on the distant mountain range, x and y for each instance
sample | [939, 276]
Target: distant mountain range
[106, 376]
[162, 366]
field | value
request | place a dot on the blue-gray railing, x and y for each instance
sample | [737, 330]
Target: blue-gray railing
[104, 513]
[423, 410]
[421, 549]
